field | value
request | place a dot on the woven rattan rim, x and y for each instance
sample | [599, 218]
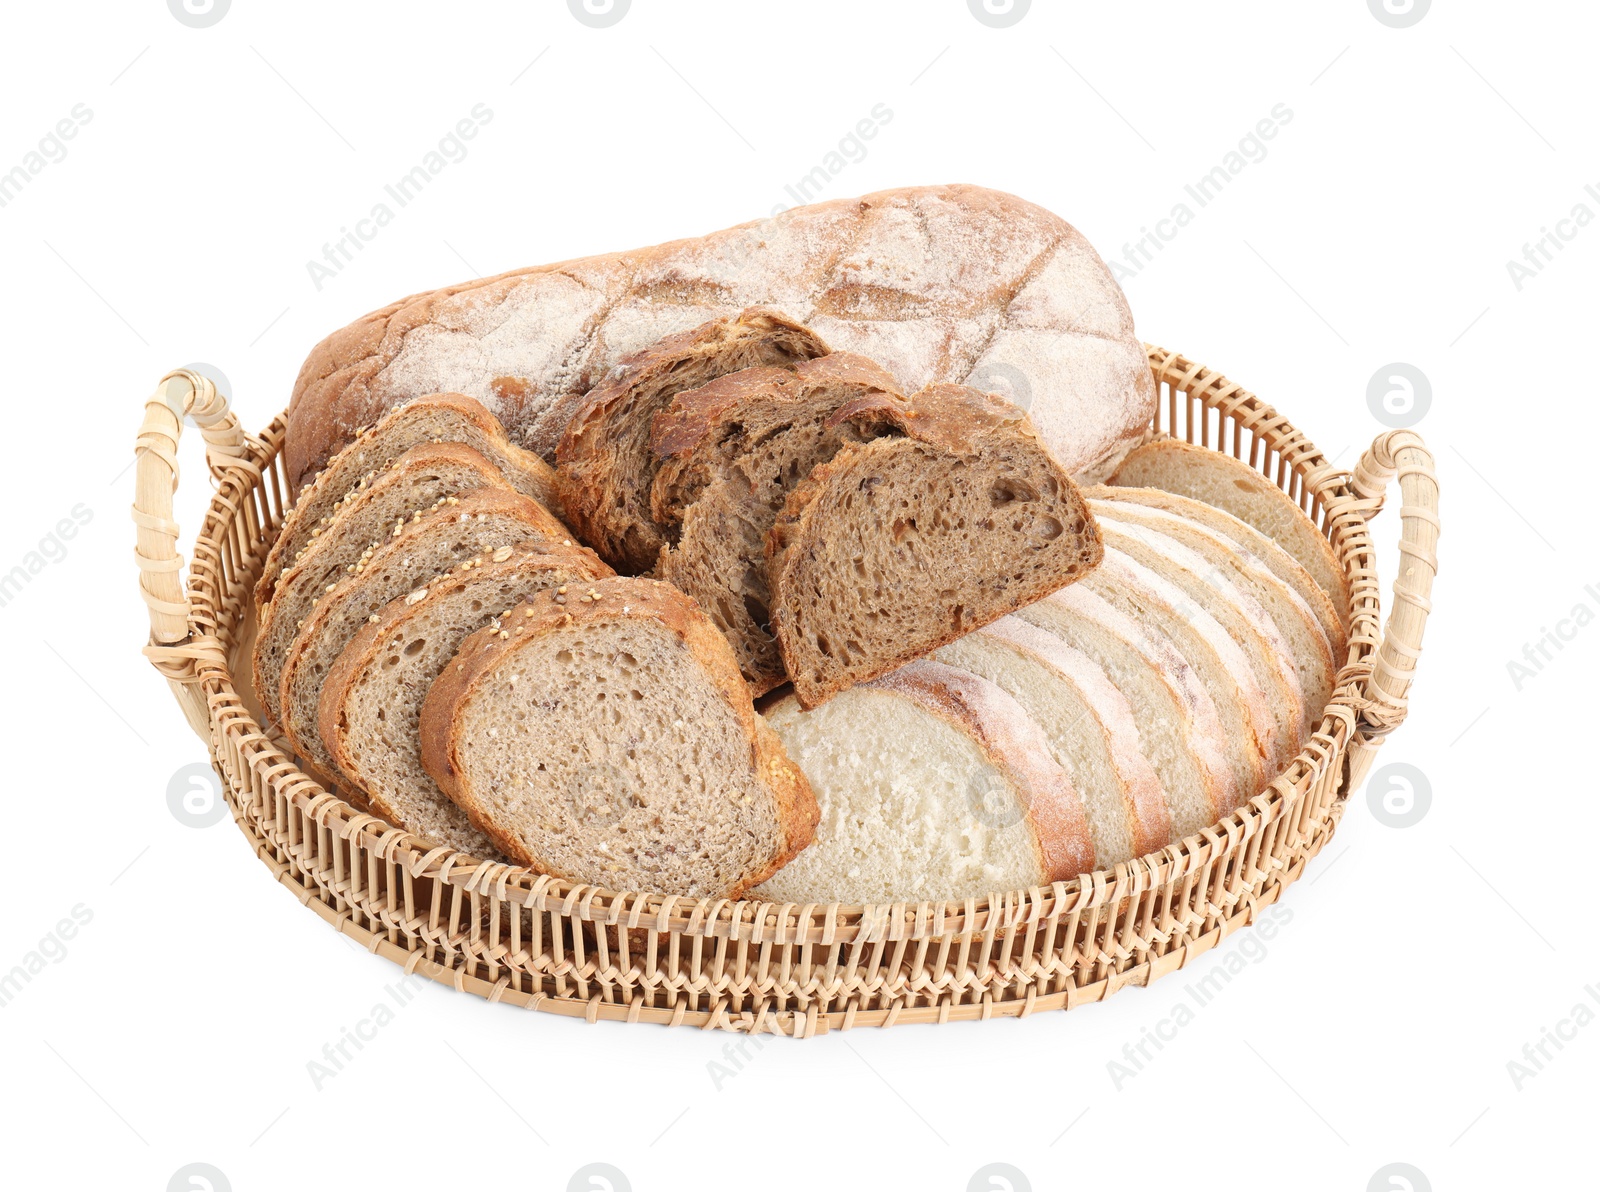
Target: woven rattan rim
[928, 961]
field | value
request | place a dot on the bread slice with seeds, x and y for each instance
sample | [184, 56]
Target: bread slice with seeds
[437, 418]
[606, 466]
[933, 784]
[953, 516]
[1090, 725]
[457, 537]
[1229, 484]
[1180, 730]
[422, 482]
[613, 742]
[371, 697]
[730, 452]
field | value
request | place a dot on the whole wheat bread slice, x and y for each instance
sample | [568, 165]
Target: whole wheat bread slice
[730, 452]
[371, 698]
[456, 535]
[952, 517]
[933, 783]
[613, 742]
[606, 466]
[436, 418]
[1235, 487]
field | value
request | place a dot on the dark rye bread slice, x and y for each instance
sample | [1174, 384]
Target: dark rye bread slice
[372, 696]
[613, 742]
[953, 517]
[456, 535]
[605, 463]
[416, 483]
[437, 418]
[730, 452]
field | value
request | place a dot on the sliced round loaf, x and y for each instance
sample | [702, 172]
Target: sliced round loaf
[1089, 723]
[606, 466]
[458, 532]
[436, 418]
[612, 741]
[933, 784]
[371, 698]
[1229, 484]
[1179, 728]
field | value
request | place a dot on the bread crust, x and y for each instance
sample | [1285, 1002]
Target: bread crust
[941, 283]
[622, 597]
[534, 478]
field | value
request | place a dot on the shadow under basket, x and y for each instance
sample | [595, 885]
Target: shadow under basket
[511, 935]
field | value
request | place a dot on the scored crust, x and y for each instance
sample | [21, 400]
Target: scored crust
[621, 597]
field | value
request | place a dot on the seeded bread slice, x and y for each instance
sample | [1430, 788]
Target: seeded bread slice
[457, 535]
[416, 483]
[1310, 651]
[1090, 726]
[606, 466]
[371, 698]
[1168, 512]
[613, 742]
[437, 418]
[1156, 603]
[1180, 730]
[951, 518]
[1231, 485]
[934, 784]
[730, 452]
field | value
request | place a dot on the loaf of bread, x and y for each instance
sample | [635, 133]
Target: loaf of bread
[371, 698]
[437, 418]
[607, 464]
[604, 735]
[729, 454]
[951, 517]
[936, 283]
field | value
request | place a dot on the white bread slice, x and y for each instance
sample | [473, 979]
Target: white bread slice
[1203, 775]
[372, 696]
[1154, 601]
[1239, 613]
[612, 742]
[436, 418]
[933, 784]
[1310, 650]
[1090, 726]
[1229, 484]
[1165, 510]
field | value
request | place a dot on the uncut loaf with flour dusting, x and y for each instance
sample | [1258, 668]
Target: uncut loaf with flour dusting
[937, 283]
[612, 741]
[951, 515]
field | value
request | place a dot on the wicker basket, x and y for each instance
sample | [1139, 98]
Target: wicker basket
[511, 935]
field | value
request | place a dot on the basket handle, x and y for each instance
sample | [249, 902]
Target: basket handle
[1402, 454]
[174, 646]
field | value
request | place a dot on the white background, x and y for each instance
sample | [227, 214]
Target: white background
[1374, 1027]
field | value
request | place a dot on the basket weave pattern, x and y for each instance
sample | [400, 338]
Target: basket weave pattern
[511, 935]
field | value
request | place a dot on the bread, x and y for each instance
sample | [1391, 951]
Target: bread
[1179, 729]
[936, 283]
[729, 454]
[455, 535]
[612, 742]
[1091, 728]
[607, 465]
[415, 483]
[933, 784]
[371, 698]
[900, 544]
[1235, 487]
[1221, 564]
[438, 417]
[1170, 512]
